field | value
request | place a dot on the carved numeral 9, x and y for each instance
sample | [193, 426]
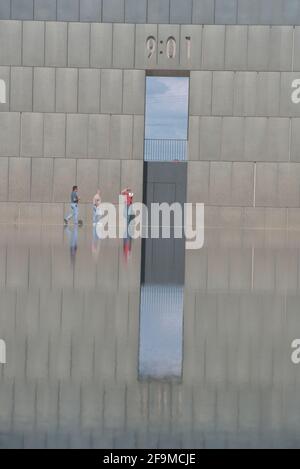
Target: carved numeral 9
[151, 46]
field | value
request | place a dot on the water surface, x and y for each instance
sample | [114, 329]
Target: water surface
[84, 371]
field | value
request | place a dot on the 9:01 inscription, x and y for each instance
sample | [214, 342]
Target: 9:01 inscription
[169, 49]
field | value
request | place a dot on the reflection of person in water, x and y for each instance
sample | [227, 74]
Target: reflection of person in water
[127, 246]
[129, 216]
[96, 243]
[73, 240]
[128, 196]
[96, 206]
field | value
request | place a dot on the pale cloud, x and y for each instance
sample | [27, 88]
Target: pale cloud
[167, 107]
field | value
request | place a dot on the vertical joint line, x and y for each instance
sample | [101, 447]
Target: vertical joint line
[254, 184]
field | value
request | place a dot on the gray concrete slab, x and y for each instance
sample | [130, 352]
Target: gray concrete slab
[77, 136]
[210, 138]
[66, 90]
[21, 89]
[203, 12]
[98, 137]
[44, 89]
[91, 10]
[32, 134]
[181, 13]
[79, 45]
[123, 45]
[54, 135]
[11, 39]
[10, 134]
[42, 179]
[121, 137]
[22, 9]
[233, 139]
[101, 45]
[201, 93]
[222, 93]
[5, 10]
[236, 48]
[134, 92]
[89, 91]
[33, 43]
[226, 11]
[113, 11]
[19, 179]
[136, 11]
[111, 91]
[45, 10]
[56, 54]
[213, 57]
[158, 11]
[68, 10]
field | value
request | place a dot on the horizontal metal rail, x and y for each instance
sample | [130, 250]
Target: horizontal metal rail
[165, 150]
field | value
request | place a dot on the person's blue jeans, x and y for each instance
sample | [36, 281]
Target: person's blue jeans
[95, 217]
[74, 214]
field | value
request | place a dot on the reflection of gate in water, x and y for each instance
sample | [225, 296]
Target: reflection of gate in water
[162, 278]
[161, 331]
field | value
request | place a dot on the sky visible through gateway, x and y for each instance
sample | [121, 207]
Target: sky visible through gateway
[167, 102]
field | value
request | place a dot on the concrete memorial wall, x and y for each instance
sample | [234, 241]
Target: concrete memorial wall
[72, 94]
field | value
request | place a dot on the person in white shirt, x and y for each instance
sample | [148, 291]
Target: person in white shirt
[96, 204]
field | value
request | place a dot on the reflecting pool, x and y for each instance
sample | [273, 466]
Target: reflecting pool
[93, 363]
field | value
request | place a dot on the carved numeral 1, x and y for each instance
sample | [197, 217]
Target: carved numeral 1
[188, 47]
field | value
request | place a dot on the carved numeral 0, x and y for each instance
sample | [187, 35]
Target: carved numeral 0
[171, 48]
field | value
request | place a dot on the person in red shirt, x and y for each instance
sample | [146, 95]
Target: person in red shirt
[127, 243]
[129, 196]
